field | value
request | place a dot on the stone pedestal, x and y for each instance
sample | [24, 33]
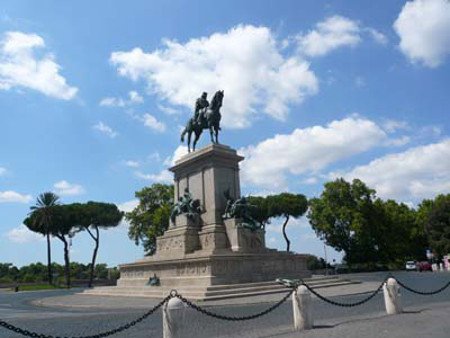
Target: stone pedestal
[242, 239]
[208, 173]
[177, 242]
[207, 251]
[213, 239]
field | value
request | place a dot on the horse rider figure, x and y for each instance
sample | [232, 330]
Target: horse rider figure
[201, 105]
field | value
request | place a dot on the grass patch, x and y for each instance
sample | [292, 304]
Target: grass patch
[37, 287]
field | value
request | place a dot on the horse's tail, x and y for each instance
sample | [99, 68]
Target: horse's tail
[183, 133]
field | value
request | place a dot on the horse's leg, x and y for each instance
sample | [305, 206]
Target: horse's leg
[189, 141]
[211, 133]
[216, 129]
[197, 136]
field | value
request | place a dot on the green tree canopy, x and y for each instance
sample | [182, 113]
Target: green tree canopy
[42, 218]
[260, 209]
[435, 216]
[91, 217]
[350, 218]
[343, 216]
[151, 216]
[399, 236]
[286, 205]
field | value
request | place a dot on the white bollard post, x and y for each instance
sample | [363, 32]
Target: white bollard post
[302, 309]
[173, 318]
[392, 299]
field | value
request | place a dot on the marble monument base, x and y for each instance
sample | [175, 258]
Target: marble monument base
[218, 269]
[205, 254]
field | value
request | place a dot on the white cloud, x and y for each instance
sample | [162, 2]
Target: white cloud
[424, 30]
[333, 33]
[105, 129]
[330, 34]
[417, 173]
[112, 102]
[22, 235]
[132, 164]
[10, 196]
[65, 188]
[246, 62]
[310, 180]
[21, 67]
[155, 156]
[128, 206]
[133, 98]
[164, 176]
[377, 36]
[2, 171]
[272, 240]
[393, 125]
[400, 141]
[308, 150]
[151, 122]
[168, 110]
[177, 154]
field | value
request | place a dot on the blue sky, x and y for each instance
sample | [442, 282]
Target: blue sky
[93, 96]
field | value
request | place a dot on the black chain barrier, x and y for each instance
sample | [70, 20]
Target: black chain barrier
[194, 306]
[332, 302]
[234, 318]
[121, 328]
[423, 293]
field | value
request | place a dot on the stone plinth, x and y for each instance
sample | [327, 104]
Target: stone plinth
[208, 173]
[242, 239]
[177, 242]
[205, 250]
[217, 269]
[213, 239]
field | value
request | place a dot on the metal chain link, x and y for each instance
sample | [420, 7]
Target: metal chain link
[121, 328]
[332, 302]
[235, 318]
[194, 306]
[423, 293]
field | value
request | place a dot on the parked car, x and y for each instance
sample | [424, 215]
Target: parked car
[410, 266]
[424, 266]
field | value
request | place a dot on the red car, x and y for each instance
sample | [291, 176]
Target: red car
[424, 266]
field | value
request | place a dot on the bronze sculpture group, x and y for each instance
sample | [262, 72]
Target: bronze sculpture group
[240, 208]
[235, 208]
[185, 205]
[206, 116]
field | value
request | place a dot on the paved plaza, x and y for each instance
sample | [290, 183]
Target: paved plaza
[67, 313]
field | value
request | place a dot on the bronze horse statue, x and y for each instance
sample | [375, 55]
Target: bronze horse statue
[207, 120]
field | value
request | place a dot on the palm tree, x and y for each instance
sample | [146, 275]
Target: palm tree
[43, 216]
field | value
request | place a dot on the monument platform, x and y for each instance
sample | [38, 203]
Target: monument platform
[205, 250]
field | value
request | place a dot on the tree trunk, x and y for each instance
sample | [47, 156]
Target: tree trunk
[288, 242]
[94, 254]
[49, 261]
[66, 260]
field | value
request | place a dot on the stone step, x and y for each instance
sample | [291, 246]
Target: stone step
[141, 282]
[215, 292]
[319, 282]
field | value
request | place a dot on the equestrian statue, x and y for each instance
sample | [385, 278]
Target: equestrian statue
[206, 116]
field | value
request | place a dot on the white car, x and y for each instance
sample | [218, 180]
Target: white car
[410, 266]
